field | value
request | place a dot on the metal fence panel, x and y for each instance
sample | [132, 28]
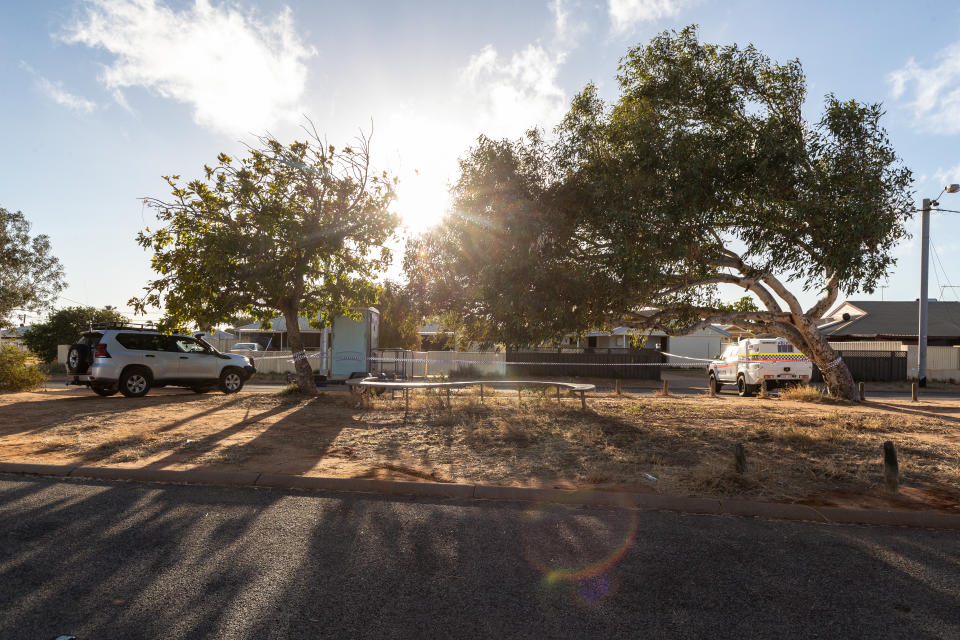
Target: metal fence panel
[594, 363]
[871, 366]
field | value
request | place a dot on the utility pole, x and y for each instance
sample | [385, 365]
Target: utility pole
[924, 298]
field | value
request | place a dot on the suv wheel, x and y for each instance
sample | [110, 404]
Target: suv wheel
[101, 390]
[231, 380]
[78, 358]
[135, 382]
[743, 388]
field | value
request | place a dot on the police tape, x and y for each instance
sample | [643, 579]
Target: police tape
[301, 355]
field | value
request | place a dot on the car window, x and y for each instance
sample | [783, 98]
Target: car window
[91, 339]
[135, 341]
[189, 345]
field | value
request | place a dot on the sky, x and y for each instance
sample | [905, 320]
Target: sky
[100, 98]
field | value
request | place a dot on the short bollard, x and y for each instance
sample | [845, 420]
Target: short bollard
[860, 391]
[619, 392]
[739, 458]
[913, 391]
[558, 394]
[666, 388]
[891, 468]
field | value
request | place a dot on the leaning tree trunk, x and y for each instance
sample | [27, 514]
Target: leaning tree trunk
[300, 361]
[835, 372]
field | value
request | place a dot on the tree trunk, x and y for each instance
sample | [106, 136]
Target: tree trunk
[836, 374]
[302, 365]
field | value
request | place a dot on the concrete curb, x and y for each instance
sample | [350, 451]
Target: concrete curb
[641, 501]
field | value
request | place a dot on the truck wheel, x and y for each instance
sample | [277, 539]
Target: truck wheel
[745, 390]
[231, 380]
[135, 382]
[714, 385]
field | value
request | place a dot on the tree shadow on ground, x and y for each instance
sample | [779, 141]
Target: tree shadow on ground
[98, 559]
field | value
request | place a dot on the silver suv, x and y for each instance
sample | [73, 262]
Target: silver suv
[132, 360]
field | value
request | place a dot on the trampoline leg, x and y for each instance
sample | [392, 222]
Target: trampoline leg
[406, 405]
[558, 394]
[448, 397]
[583, 401]
[481, 394]
[518, 395]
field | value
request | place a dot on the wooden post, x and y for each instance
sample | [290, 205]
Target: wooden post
[448, 397]
[913, 391]
[666, 388]
[739, 458]
[860, 391]
[891, 468]
[558, 394]
[518, 395]
[481, 393]
[619, 392]
[406, 405]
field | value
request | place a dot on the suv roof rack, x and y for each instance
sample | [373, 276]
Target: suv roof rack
[126, 326]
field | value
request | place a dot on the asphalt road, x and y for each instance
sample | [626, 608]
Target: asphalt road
[116, 560]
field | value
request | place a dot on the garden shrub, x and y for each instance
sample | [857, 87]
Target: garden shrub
[15, 373]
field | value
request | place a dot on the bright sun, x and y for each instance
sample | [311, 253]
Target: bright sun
[422, 199]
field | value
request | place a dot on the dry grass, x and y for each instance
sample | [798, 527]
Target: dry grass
[805, 393]
[794, 449]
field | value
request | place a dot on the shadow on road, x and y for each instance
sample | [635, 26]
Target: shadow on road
[97, 559]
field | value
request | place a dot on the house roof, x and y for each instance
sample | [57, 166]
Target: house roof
[894, 318]
[13, 332]
[278, 325]
[219, 335]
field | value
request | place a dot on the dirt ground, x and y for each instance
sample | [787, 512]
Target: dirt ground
[814, 453]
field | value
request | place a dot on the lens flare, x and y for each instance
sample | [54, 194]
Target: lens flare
[569, 545]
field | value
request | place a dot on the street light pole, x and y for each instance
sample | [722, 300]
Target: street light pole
[924, 298]
[924, 266]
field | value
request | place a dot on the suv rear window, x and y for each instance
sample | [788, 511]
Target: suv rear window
[90, 339]
[144, 341]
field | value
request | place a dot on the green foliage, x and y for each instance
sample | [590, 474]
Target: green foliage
[399, 320]
[30, 276]
[297, 228]
[15, 373]
[64, 326]
[745, 303]
[702, 172]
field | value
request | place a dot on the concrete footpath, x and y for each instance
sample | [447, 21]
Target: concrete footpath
[641, 501]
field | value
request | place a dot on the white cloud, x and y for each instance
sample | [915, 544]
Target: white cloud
[935, 90]
[511, 95]
[55, 91]
[625, 14]
[238, 72]
[63, 97]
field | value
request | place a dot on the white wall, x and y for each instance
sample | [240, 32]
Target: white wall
[943, 363]
[695, 346]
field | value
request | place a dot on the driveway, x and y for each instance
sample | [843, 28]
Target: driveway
[117, 560]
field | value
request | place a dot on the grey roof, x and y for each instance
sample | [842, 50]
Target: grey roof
[14, 332]
[219, 335]
[896, 318]
[278, 325]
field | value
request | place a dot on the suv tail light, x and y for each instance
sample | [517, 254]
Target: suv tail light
[101, 351]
